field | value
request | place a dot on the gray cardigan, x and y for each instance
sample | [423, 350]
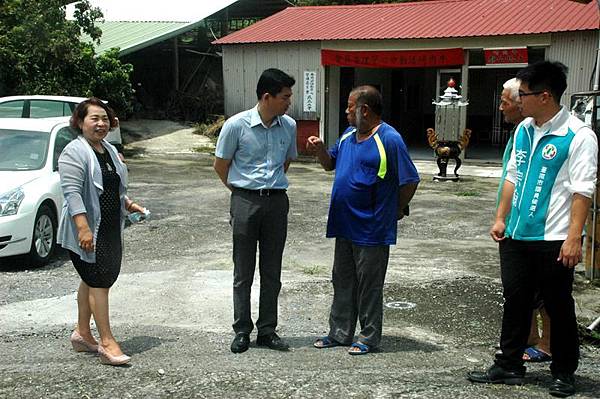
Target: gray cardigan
[81, 183]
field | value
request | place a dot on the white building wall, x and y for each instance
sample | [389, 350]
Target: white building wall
[243, 64]
[577, 50]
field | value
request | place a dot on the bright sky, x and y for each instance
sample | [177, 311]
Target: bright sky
[155, 10]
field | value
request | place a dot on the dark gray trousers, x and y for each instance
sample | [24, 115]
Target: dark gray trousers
[526, 268]
[358, 277]
[263, 220]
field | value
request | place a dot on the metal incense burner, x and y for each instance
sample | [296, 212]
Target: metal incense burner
[445, 140]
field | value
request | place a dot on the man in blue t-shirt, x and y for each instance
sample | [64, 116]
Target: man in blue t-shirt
[374, 181]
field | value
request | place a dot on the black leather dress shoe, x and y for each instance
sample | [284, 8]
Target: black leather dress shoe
[496, 375]
[240, 343]
[272, 341]
[563, 385]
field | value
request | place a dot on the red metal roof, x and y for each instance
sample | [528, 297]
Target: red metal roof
[420, 20]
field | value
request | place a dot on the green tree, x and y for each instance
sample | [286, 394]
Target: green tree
[41, 53]
[111, 81]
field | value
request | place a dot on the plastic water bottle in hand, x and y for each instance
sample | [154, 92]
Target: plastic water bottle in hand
[137, 217]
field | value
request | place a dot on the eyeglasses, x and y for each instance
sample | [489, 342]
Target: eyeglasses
[531, 93]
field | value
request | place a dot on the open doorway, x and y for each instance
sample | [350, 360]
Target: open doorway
[412, 111]
[407, 96]
[490, 133]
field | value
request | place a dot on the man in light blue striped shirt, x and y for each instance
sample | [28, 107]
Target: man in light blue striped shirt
[253, 153]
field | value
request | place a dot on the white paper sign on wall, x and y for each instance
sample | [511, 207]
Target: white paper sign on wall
[310, 91]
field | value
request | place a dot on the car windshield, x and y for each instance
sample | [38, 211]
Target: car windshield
[23, 150]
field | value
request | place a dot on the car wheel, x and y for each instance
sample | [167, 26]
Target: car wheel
[43, 242]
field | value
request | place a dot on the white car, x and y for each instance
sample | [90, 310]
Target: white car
[49, 107]
[30, 193]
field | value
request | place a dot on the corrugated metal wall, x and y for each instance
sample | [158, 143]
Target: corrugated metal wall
[577, 50]
[243, 64]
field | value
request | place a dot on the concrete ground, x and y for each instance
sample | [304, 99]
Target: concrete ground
[171, 307]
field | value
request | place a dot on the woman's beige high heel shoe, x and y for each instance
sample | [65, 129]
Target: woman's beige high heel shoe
[81, 345]
[107, 358]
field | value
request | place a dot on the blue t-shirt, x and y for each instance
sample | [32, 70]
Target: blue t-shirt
[368, 175]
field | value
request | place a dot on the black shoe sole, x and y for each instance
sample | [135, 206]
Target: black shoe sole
[239, 350]
[509, 381]
[505, 381]
[562, 394]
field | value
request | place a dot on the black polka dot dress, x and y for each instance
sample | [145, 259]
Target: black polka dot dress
[105, 271]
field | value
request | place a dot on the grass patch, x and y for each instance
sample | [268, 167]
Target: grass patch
[211, 128]
[312, 270]
[589, 337]
[468, 194]
[204, 149]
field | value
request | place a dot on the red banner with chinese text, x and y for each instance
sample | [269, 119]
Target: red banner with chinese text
[505, 56]
[393, 59]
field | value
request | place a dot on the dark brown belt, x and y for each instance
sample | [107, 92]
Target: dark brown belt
[263, 192]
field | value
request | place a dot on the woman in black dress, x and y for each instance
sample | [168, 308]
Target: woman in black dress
[94, 183]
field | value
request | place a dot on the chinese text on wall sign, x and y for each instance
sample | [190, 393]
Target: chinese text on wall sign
[310, 91]
[393, 59]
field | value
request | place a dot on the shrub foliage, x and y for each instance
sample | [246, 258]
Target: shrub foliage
[41, 52]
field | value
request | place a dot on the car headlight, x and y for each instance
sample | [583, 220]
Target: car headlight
[10, 201]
